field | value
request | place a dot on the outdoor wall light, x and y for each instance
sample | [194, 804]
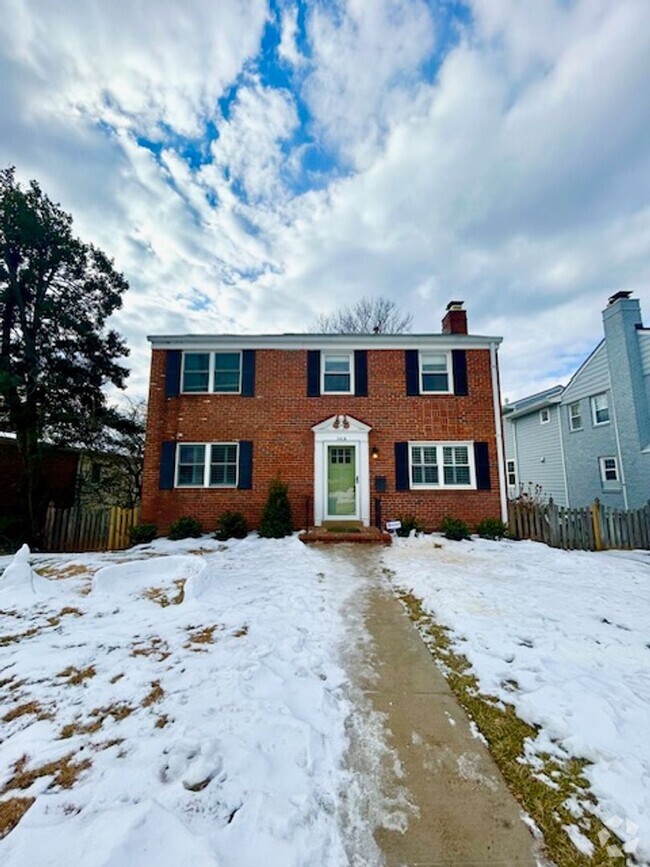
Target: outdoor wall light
[375, 453]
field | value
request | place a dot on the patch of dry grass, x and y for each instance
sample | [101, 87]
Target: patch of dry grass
[241, 632]
[32, 708]
[118, 710]
[57, 573]
[75, 676]
[162, 721]
[63, 771]
[204, 635]
[155, 648]
[116, 678]
[156, 694]
[162, 596]
[507, 736]
[77, 728]
[11, 812]
[5, 640]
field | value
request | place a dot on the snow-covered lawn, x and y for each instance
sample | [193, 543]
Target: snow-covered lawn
[168, 707]
[565, 638]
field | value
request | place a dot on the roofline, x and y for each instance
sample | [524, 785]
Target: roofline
[550, 397]
[585, 362]
[318, 341]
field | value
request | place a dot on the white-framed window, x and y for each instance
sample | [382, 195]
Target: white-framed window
[608, 469]
[205, 372]
[575, 416]
[600, 409]
[435, 373]
[337, 373]
[511, 473]
[207, 465]
[441, 465]
[544, 415]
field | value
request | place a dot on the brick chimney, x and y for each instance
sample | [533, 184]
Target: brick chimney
[455, 321]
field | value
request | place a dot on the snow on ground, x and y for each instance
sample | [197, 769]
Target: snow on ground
[565, 637]
[194, 700]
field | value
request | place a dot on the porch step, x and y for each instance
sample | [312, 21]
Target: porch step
[329, 534]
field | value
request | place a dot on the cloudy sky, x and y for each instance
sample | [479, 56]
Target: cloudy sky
[251, 164]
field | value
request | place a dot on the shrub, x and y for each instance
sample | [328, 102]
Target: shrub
[492, 528]
[231, 525]
[454, 529]
[276, 517]
[184, 528]
[409, 522]
[142, 533]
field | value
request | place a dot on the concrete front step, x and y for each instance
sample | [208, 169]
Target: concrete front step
[330, 534]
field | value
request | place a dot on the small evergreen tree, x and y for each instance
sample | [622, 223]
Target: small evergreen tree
[276, 518]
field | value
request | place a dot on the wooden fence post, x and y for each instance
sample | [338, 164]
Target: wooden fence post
[595, 520]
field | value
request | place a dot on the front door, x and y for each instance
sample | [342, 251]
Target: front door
[342, 483]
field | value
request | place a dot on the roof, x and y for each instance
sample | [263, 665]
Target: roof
[320, 341]
[534, 402]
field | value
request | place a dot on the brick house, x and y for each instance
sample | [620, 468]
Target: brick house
[363, 428]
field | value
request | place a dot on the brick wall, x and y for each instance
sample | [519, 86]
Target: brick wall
[279, 418]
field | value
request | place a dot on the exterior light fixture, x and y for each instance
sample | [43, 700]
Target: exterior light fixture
[375, 453]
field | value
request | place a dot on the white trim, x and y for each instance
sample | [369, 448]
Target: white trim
[226, 342]
[207, 463]
[601, 464]
[496, 397]
[510, 484]
[621, 465]
[592, 401]
[350, 357]
[571, 417]
[211, 353]
[356, 516]
[450, 374]
[439, 446]
[543, 420]
[341, 430]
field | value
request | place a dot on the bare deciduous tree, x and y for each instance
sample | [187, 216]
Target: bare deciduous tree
[368, 316]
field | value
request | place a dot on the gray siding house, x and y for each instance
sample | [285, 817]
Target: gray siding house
[590, 438]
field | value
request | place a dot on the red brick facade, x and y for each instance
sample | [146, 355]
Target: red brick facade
[278, 420]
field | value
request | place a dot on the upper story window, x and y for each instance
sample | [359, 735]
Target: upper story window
[544, 415]
[338, 373]
[202, 465]
[441, 465]
[575, 416]
[600, 409]
[434, 372]
[211, 371]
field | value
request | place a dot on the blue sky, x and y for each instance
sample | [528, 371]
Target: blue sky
[251, 164]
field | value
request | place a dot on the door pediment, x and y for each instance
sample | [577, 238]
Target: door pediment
[341, 423]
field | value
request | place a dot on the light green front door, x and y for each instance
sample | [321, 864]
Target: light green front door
[341, 482]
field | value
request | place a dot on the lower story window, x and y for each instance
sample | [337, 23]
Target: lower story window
[442, 465]
[202, 465]
[608, 469]
[512, 475]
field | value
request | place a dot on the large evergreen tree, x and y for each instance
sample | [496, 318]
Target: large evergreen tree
[56, 353]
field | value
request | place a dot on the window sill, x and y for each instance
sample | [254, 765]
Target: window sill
[443, 488]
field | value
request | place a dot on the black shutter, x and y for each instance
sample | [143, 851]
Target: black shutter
[361, 373]
[313, 373]
[245, 465]
[459, 367]
[248, 373]
[412, 365]
[401, 466]
[482, 463]
[167, 459]
[173, 372]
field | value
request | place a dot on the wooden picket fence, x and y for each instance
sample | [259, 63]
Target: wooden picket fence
[89, 529]
[592, 528]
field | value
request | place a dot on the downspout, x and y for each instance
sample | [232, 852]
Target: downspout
[618, 450]
[566, 484]
[496, 399]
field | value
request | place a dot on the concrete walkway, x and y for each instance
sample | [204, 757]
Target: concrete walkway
[465, 814]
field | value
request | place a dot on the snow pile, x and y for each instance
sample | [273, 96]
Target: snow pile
[213, 723]
[18, 578]
[564, 637]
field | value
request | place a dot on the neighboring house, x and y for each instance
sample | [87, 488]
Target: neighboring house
[363, 427]
[590, 438]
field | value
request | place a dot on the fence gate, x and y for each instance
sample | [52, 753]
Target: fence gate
[105, 528]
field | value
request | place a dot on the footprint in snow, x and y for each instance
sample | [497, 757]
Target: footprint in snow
[194, 763]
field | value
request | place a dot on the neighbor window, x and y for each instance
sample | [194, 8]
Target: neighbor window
[608, 469]
[202, 465]
[544, 415]
[441, 465]
[575, 416]
[512, 475]
[337, 374]
[212, 371]
[600, 409]
[434, 372]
